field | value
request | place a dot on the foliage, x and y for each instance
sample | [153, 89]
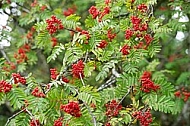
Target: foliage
[114, 47]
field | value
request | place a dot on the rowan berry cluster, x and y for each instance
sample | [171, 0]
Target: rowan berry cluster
[30, 33]
[145, 117]
[182, 94]
[70, 11]
[21, 55]
[139, 30]
[18, 78]
[78, 69]
[5, 86]
[95, 12]
[147, 84]
[107, 124]
[102, 44]
[58, 122]
[86, 33]
[53, 73]
[37, 93]
[8, 66]
[34, 122]
[111, 35]
[54, 24]
[125, 49]
[71, 108]
[54, 41]
[112, 108]
[142, 8]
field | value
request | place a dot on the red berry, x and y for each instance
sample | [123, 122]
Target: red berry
[78, 69]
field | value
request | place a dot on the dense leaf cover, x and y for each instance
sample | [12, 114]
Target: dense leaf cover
[85, 63]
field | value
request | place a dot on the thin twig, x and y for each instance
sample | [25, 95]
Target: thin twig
[5, 55]
[9, 119]
[31, 115]
[128, 91]
[108, 83]
[81, 79]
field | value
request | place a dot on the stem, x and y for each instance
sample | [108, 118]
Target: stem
[81, 79]
[9, 119]
[5, 55]
[33, 118]
[124, 96]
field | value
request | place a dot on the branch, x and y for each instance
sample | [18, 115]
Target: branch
[5, 55]
[81, 79]
[108, 83]
[128, 91]
[33, 118]
[9, 119]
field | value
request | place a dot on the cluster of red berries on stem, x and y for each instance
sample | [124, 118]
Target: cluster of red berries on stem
[145, 117]
[72, 108]
[21, 55]
[54, 74]
[58, 122]
[95, 12]
[18, 78]
[111, 35]
[69, 11]
[147, 84]
[34, 122]
[54, 41]
[107, 124]
[9, 66]
[37, 93]
[112, 108]
[102, 44]
[142, 8]
[30, 33]
[5, 86]
[54, 24]
[125, 49]
[78, 69]
[182, 94]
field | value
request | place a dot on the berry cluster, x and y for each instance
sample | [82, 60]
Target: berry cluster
[37, 93]
[18, 78]
[145, 117]
[107, 2]
[128, 34]
[182, 94]
[53, 73]
[78, 69]
[9, 66]
[95, 12]
[34, 122]
[34, 4]
[107, 124]
[30, 33]
[70, 11]
[43, 7]
[58, 122]
[86, 33]
[64, 79]
[54, 24]
[112, 108]
[5, 86]
[111, 35]
[147, 84]
[21, 55]
[103, 44]
[125, 49]
[54, 41]
[142, 8]
[71, 108]
[139, 30]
